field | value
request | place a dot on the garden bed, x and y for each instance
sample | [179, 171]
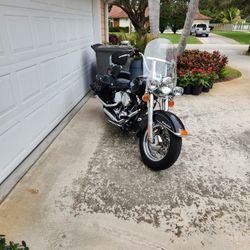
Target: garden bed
[199, 70]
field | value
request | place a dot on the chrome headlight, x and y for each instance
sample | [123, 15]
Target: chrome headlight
[178, 91]
[153, 84]
[167, 81]
[165, 90]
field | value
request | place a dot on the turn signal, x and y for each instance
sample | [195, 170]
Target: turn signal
[171, 103]
[183, 132]
[145, 97]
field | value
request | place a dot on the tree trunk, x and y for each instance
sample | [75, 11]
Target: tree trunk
[192, 9]
[154, 17]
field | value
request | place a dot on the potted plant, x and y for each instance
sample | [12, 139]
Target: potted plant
[197, 80]
[183, 80]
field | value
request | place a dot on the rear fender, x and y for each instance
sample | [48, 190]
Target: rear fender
[174, 123]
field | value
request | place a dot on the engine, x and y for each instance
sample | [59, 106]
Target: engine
[126, 104]
[123, 98]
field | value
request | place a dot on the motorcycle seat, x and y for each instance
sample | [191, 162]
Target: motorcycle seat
[124, 74]
[122, 84]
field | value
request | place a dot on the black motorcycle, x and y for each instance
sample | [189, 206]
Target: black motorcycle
[142, 104]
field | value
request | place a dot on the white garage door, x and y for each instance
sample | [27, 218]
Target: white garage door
[44, 70]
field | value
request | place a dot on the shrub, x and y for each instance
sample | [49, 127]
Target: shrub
[113, 39]
[135, 40]
[196, 77]
[11, 245]
[119, 29]
[199, 67]
[202, 59]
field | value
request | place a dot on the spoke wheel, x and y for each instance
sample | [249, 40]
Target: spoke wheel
[158, 150]
[165, 149]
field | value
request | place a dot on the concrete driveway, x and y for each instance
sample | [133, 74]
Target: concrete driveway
[216, 39]
[90, 190]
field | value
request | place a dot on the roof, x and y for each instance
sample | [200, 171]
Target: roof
[117, 12]
[199, 16]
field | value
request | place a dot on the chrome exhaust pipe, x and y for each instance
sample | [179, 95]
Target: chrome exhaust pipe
[105, 104]
[134, 113]
[113, 118]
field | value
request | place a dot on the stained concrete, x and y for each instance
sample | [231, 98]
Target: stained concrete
[90, 190]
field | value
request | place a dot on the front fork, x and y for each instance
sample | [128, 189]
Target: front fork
[164, 106]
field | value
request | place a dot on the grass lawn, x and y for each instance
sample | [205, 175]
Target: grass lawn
[229, 74]
[175, 38]
[241, 37]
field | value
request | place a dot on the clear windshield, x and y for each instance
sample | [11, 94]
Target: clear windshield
[160, 61]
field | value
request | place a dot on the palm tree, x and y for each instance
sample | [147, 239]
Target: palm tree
[192, 9]
[154, 17]
[231, 15]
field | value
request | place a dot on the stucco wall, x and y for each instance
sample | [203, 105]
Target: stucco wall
[124, 22]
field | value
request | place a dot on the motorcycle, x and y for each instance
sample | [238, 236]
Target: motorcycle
[142, 104]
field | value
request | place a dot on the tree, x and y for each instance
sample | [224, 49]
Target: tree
[192, 9]
[136, 13]
[173, 13]
[154, 17]
[216, 6]
[231, 15]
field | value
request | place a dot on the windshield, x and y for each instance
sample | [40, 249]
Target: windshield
[201, 25]
[160, 60]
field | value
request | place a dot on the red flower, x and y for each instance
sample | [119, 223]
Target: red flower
[181, 73]
[210, 68]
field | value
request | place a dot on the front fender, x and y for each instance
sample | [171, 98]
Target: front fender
[174, 123]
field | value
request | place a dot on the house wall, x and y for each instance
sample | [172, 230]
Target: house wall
[124, 22]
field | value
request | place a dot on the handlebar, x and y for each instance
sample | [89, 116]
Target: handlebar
[134, 52]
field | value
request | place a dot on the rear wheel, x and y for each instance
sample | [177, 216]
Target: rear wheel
[166, 148]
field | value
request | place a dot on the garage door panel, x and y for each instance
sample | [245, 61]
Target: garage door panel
[29, 82]
[65, 63]
[7, 100]
[44, 58]
[34, 124]
[20, 33]
[55, 109]
[56, 2]
[49, 72]
[76, 59]
[1, 47]
[11, 145]
[60, 30]
[43, 31]
[72, 24]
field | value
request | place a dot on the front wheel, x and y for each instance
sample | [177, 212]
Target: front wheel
[166, 148]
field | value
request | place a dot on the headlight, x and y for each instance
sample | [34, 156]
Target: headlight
[153, 84]
[167, 81]
[165, 90]
[178, 91]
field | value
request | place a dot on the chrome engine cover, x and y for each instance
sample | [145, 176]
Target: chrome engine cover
[126, 99]
[122, 97]
[118, 97]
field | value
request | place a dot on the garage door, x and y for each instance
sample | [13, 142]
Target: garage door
[44, 70]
